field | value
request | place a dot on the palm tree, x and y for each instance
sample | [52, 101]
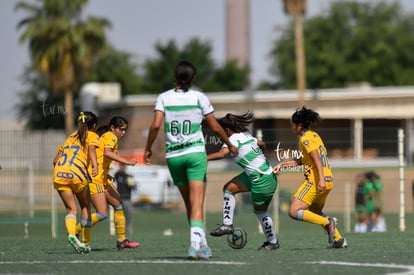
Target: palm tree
[62, 45]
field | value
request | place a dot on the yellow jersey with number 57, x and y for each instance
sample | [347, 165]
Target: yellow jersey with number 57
[309, 142]
[72, 165]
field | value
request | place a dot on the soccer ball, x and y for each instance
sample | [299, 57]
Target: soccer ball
[237, 239]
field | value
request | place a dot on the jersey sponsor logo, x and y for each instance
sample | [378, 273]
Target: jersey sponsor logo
[328, 179]
[64, 175]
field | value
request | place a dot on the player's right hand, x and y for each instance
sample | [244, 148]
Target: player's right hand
[147, 157]
[94, 171]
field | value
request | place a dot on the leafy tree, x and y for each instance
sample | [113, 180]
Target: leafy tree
[117, 66]
[38, 105]
[159, 71]
[351, 42]
[229, 78]
[43, 109]
[62, 45]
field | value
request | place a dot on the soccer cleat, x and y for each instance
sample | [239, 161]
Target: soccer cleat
[86, 248]
[76, 244]
[223, 229]
[196, 254]
[206, 251]
[330, 229]
[269, 246]
[341, 243]
[126, 244]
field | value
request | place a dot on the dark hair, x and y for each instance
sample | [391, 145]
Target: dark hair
[86, 120]
[184, 74]
[306, 117]
[237, 123]
[117, 121]
[371, 175]
[102, 130]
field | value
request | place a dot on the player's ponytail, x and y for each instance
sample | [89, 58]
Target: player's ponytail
[86, 121]
[184, 74]
[306, 117]
[237, 123]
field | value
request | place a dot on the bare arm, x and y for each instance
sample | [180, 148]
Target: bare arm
[219, 155]
[152, 135]
[58, 154]
[92, 156]
[261, 144]
[318, 163]
[55, 160]
[109, 153]
[293, 162]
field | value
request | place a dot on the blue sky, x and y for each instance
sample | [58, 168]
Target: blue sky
[138, 24]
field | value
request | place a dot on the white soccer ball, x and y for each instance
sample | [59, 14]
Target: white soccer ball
[238, 239]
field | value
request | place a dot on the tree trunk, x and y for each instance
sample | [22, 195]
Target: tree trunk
[69, 111]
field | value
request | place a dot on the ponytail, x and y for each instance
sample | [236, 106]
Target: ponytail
[237, 123]
[86, 120]
[184, 74]
[306, 117]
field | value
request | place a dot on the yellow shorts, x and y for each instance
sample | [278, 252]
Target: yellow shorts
[308, 192]
[96, 188]
[71, 187]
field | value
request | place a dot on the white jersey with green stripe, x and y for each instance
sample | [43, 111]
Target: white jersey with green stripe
[250, 156]
[183, 113]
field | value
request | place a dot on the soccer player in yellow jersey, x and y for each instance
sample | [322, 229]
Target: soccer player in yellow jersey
[102, 190]
[310, 197]
[71, 177]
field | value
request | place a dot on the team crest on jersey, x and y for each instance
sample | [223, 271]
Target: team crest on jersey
[306, 142]
[328, 179]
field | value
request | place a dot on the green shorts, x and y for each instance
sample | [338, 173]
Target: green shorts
[359, 209]
[262, 190]
[188, 167]
[370, 206]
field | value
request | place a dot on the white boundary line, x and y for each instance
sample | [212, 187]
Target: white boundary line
[407, 269]
[125, 262]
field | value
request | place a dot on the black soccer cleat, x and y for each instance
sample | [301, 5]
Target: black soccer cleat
[223, 229]
[341, 243]
[269, 246]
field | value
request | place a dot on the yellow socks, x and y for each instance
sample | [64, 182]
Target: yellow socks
[70, 222]
[119, 221]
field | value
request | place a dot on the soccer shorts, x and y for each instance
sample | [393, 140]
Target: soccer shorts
[262, 190]
[192, 166]
[70, 187]
[308, 192]
[96, 188]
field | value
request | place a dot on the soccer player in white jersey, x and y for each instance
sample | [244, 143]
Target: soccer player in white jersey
[257, 178]
[181, 111]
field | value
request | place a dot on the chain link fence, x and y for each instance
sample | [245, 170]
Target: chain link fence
[26, 189]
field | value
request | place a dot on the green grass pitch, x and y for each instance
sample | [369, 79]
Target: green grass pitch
[303, 249]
